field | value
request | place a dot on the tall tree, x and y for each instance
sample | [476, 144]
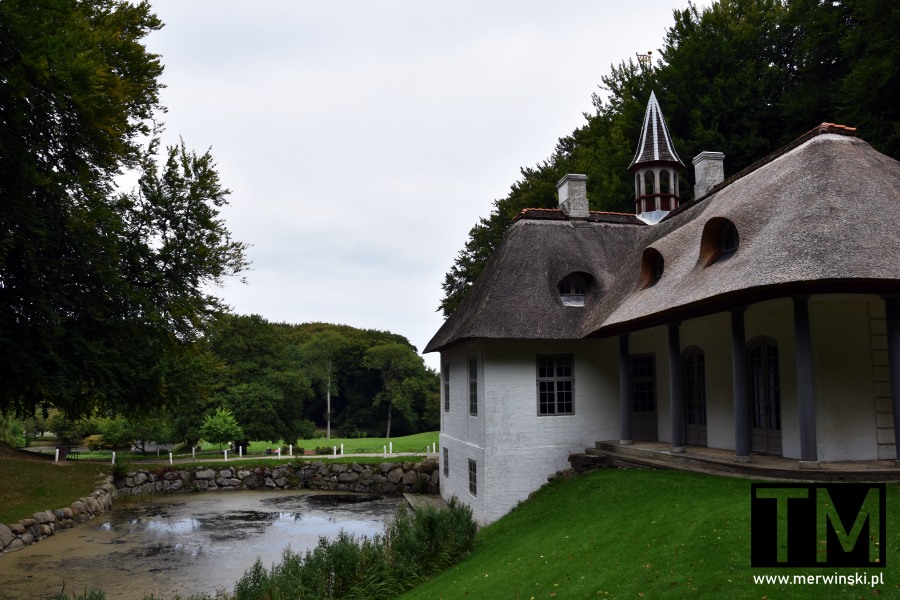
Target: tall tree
[100, 293]
[400, 368]
[319, 355]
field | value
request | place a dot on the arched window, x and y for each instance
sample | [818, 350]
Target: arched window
[729, 238]
[719, 240]
[693, 379]
[664, 183]
[648, 182]
[573, 288]
[765, 395]
[652, 266]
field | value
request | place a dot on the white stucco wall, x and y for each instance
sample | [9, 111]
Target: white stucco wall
[843, 377]
[521, 448]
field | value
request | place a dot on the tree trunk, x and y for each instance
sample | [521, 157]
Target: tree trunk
[328, 405]
[388, 435]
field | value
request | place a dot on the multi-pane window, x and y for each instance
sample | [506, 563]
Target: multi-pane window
[572, 290]
[555, 384]
[446, 370]
[643, 381]
[473, 386]
[473, 478]
[729, 238]
[446, 462]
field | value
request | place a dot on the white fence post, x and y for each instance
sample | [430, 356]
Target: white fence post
[226, 456]
[57, 456]
[114, 457]
[385, 451]
[334, 450]
[342, 449]
[240, 451]
[170, 458]
[290, 449]
[194, 452]
[391, 447]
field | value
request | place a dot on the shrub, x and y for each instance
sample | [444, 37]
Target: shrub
[414, 546]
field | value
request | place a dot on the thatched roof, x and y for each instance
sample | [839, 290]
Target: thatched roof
[823, 216]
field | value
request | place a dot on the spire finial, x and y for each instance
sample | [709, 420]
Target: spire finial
[645, 60]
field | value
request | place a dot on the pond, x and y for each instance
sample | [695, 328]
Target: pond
[185, 543]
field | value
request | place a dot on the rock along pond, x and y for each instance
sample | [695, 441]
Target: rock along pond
[185, 543]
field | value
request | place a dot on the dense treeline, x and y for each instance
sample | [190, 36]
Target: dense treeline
[276, 379]
[257, 380]
[742, 77]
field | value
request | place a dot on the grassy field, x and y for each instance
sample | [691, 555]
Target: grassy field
[636, 534]
[410, 443]
[28, 485]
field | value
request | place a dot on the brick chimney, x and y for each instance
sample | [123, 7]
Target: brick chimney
[709, 171]
[573, 202]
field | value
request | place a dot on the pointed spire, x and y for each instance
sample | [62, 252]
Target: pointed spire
[656, 143]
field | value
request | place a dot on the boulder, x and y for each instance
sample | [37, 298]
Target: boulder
[43, 517]
[396, 475]
[205, 474]
[6, 536]
[16, 544]
[17, 528]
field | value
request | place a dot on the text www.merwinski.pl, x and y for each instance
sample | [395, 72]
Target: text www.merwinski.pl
[861, 579]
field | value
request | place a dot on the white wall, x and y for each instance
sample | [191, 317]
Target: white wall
[516, 449]
[843, 377]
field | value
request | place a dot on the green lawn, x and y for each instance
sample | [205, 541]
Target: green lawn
[635, 534]
[28, 485]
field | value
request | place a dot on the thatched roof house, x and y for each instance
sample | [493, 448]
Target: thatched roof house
[770, 299]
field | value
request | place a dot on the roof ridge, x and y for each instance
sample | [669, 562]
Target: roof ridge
[820, 129]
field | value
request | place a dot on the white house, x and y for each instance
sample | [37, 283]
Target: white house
[763, 316]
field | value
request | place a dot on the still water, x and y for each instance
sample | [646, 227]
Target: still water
[184, 543]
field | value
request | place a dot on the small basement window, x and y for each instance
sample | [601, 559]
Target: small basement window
[573, 288]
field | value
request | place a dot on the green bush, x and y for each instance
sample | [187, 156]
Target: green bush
[414, 546]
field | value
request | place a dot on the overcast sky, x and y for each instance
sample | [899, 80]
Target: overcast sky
[362, 140]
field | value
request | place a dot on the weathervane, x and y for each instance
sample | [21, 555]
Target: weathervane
[644, 59]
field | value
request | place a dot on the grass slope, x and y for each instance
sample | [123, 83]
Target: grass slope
[636, 534]
[29, 484]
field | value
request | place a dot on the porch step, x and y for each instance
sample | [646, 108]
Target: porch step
[613, 454]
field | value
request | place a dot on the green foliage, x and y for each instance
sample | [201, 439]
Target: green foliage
[103, 293]
[413, 547]
[275, 378]
[400, 369]
[742, 77]
[221, 427]
[12, 431]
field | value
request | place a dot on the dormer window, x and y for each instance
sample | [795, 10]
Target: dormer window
[718, 241]
[572, 289]
[652, 267]
[729, 238]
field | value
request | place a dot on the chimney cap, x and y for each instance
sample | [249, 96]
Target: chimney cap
[708, 155]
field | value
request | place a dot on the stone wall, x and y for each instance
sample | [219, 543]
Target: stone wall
[384, 478]
[45, 523]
